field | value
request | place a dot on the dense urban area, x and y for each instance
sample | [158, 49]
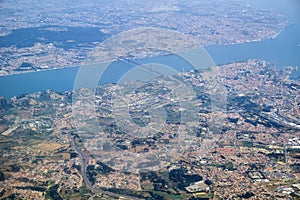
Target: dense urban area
[230, 131]
[255, 153]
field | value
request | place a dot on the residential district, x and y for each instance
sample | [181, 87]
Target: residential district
[243, 143]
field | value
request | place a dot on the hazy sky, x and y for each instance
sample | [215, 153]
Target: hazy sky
[283, 6]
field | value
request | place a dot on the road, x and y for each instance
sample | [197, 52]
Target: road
[86, 180]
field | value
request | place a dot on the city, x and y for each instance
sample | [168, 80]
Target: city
[154, 100]
[256, 153]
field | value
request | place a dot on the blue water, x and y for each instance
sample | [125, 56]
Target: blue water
[58, 80]
[27, 37]
[62, 79]
[282, 51]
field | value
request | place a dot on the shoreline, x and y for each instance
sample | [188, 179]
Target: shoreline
[272, 37]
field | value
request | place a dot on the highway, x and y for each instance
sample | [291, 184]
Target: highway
[86, 180]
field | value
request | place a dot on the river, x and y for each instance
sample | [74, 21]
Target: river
[284, 50]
